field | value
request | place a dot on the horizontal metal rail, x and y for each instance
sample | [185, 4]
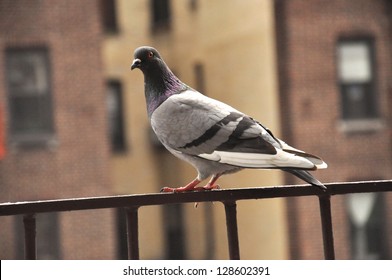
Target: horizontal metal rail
[227, 196]
[89, 203]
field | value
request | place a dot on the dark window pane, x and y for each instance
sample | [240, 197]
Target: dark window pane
[115, 114]
[109, 17]
[199, 77]
[29, 96]
[367, 230]
[160, 15]
[174, 227]
[358, 101]
[48, 236]
[356, 78]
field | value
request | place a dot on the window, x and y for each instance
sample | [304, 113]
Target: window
[367, 231]
[29, 95]
[109, 17]
[174, 229]
[115, 114]
[160, 15]
[193, 5]
[200, 78]
[48, 241]
[357, 79]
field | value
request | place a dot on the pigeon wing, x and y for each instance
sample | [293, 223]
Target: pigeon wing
[194, 124]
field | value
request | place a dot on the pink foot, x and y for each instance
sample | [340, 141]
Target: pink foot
[207, 187]
[190, 187]
[210, 185]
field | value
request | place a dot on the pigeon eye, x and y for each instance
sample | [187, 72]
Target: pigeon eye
[150, 54]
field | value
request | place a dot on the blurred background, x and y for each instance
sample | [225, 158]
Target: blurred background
[73, 121]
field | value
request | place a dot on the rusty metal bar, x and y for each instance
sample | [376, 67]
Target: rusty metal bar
[132, 232]
[232, 229]
[326, 226]
[123, 201]
[227, 196]
[30, 232]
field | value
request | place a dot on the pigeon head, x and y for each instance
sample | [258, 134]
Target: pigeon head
[159, 81]
[146, 58]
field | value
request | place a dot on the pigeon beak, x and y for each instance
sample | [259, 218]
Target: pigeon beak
[136, 63]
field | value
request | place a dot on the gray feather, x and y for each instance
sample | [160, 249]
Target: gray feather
[306, 176]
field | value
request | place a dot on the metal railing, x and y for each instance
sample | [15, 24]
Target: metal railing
[228, 197]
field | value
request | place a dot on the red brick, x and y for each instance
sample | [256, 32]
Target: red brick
[307, 34]
[78, 165]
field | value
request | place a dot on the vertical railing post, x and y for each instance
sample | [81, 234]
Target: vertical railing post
[232, 229]
[132, 232]
[326, 226]
[30, 233]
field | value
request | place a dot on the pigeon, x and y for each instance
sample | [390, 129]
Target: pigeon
[210, 135]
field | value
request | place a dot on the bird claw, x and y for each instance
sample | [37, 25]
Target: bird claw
[167, 190]
[207, 187]
[176, 190]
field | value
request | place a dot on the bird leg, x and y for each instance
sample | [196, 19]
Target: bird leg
[192, 186]
[210, 185]
[189, 187]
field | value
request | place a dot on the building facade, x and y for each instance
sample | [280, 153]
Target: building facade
[226, 57]
[334, 62]
[315, 72]
[54, 99]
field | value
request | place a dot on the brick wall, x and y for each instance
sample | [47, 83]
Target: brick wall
[75, 164]
[307, 32]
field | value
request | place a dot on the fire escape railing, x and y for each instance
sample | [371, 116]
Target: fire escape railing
[228, 197]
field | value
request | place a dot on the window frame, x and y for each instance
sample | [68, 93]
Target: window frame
[160, 15]
[109, 16]
[21, 134]
[370, 119]
[118, 142]
[374, 229]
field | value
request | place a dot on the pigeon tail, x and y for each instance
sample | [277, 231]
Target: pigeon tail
[307, 177]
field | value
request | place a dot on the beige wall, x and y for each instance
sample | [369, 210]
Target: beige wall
[234, 41]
